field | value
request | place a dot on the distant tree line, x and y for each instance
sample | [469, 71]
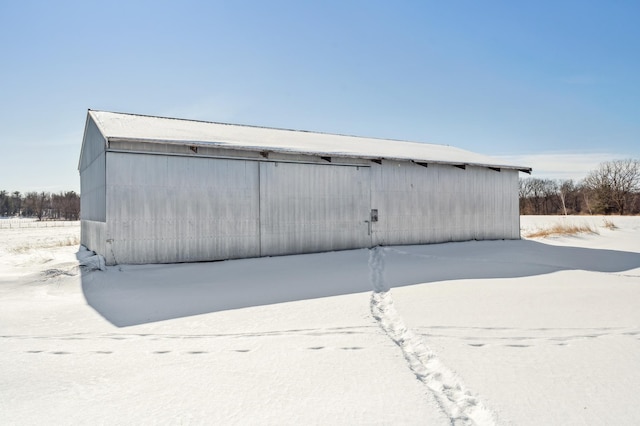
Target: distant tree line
[42, 205]
[613, 188]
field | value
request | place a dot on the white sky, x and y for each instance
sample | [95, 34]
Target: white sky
[561, 165]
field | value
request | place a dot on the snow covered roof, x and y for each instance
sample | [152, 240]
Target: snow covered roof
[133, 127]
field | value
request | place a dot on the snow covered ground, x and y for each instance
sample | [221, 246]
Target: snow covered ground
[537, 331]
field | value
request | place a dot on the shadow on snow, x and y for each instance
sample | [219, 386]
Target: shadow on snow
[127, 295]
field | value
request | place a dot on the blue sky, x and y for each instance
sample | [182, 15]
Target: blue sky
[554, 85]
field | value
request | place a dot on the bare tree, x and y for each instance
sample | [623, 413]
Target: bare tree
[613, 184]
[16, 203]
[550, 191]
[29, 204]
[568, 193]
[547, 196]
[36, 204]
[66, 205]
[43, 199]
[524, 195]
[538, 196]
[562, 192]
[5, 203]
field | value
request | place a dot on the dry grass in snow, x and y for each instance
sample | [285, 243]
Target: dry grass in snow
[567, 226]
[559, 229]
[64, 241]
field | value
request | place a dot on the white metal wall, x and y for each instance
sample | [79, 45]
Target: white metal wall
[438, 203]
[92, 175]
[92, 190]
[310, 208]
[93, 235]
[180, 209]
[183, 209]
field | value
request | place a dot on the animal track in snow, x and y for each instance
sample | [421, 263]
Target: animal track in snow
[500, 336]
[344, 348]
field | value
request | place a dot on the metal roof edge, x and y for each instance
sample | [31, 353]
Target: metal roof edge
[96, 121]
[234, 147]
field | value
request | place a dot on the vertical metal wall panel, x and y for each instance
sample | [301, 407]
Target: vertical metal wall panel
[93, 145]
[93, 235]
[307, 208]
[402, 192]
[511, 206]
[92, 190]
[165, 209]
[92, 175]
[440, 203]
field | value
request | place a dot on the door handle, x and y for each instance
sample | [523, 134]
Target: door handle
[368, 222]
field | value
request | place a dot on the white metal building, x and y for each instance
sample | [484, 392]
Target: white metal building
[160, 190]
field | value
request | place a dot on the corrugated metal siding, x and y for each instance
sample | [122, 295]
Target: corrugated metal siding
[440, 203]
[511, 204]
[94, 236]
[93, 145]
[180, 209]
[310, 208]
[92, 175]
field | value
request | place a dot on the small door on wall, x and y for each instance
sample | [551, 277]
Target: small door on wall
[306, 208]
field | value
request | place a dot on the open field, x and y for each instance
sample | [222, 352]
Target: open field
[6, 223]
[537, 331]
